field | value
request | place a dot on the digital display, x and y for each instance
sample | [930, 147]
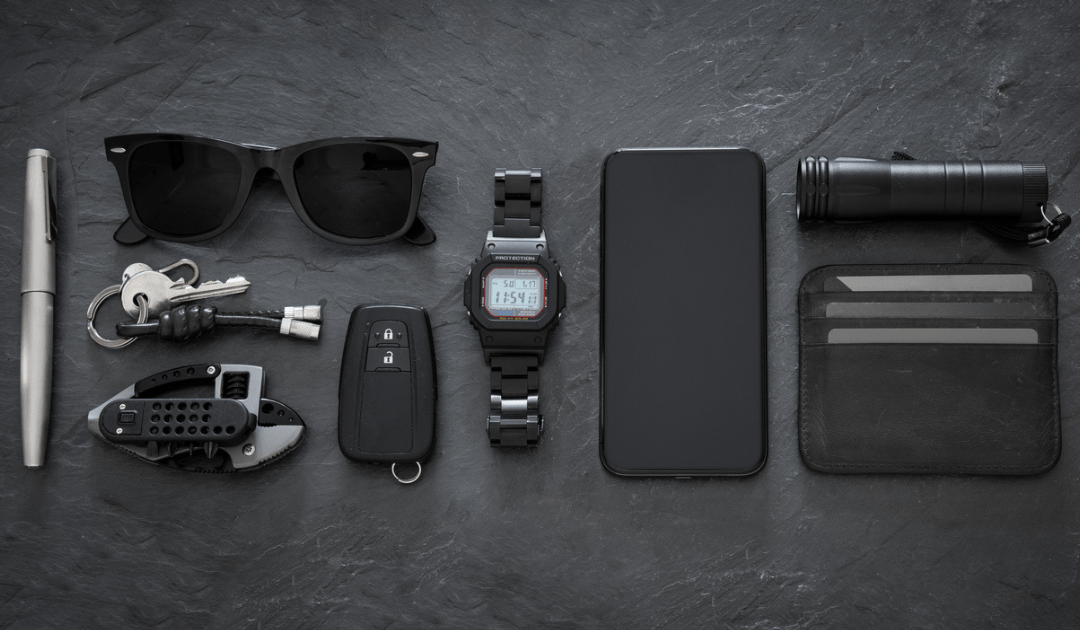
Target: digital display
[517, 292]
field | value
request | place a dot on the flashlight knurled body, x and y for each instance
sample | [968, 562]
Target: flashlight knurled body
[856, 189]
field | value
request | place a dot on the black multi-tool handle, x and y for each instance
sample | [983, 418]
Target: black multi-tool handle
[222, 421]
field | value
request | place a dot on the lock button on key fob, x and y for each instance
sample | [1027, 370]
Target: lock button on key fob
[389, 334]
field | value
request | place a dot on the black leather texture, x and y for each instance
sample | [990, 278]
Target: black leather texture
[928, 407]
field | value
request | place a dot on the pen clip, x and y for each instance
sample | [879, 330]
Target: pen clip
[48, 175]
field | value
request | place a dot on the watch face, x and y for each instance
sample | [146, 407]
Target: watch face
[515, 292]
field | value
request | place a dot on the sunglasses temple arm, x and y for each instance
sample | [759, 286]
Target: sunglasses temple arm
[128, 233]
[418, 234]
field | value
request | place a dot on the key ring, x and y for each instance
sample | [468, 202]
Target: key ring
[1052, 228]
[91, 313]
[183, 262]
[393, 472]
[1048, 220]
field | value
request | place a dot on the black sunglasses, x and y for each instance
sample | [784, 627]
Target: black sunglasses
[358, 191]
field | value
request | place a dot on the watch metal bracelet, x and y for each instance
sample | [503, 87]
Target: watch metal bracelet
[514, 419]
[518, 195]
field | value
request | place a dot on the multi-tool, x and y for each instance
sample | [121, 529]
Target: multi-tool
[235, 430]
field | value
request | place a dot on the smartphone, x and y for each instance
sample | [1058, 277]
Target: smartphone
[682, 332]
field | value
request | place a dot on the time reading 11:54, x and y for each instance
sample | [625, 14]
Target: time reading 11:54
[509, 291]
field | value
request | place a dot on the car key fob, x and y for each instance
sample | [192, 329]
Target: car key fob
[386, 398]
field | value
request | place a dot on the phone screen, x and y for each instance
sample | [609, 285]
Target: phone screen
[683, 387]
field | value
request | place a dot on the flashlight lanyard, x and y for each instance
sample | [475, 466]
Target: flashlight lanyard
[1046, 232]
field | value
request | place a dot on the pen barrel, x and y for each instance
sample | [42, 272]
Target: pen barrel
[35, 375]
[39, 224]
[38, 289]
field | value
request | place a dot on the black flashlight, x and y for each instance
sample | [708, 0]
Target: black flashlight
[857, 189]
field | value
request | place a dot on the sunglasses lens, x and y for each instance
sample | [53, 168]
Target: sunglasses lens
[355, 190]
[183, 188]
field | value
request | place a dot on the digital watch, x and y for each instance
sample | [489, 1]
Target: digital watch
[515, 293]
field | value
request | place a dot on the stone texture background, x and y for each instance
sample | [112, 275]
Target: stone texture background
[492, 538]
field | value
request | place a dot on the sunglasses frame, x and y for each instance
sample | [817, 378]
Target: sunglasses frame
[253, 158]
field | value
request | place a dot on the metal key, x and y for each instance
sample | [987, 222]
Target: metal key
[162, 292]
[182, 292]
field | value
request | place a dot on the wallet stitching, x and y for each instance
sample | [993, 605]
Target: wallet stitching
[803, 437]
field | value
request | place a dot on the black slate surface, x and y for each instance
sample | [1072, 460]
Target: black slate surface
[492, 538]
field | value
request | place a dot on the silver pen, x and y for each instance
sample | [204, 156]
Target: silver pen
[38, 290]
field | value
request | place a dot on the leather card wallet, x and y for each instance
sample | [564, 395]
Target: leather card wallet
[929, 369]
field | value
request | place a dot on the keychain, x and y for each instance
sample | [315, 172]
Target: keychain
[146, 293]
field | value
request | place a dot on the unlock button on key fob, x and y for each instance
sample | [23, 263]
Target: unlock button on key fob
[387, 359]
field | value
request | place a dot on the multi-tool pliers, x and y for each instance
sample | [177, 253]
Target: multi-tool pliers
[236, 430]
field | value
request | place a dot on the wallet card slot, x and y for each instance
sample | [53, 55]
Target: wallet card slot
[934, 278]
[976, 282]
[924, 408]
[916, 304]
[828, 330]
